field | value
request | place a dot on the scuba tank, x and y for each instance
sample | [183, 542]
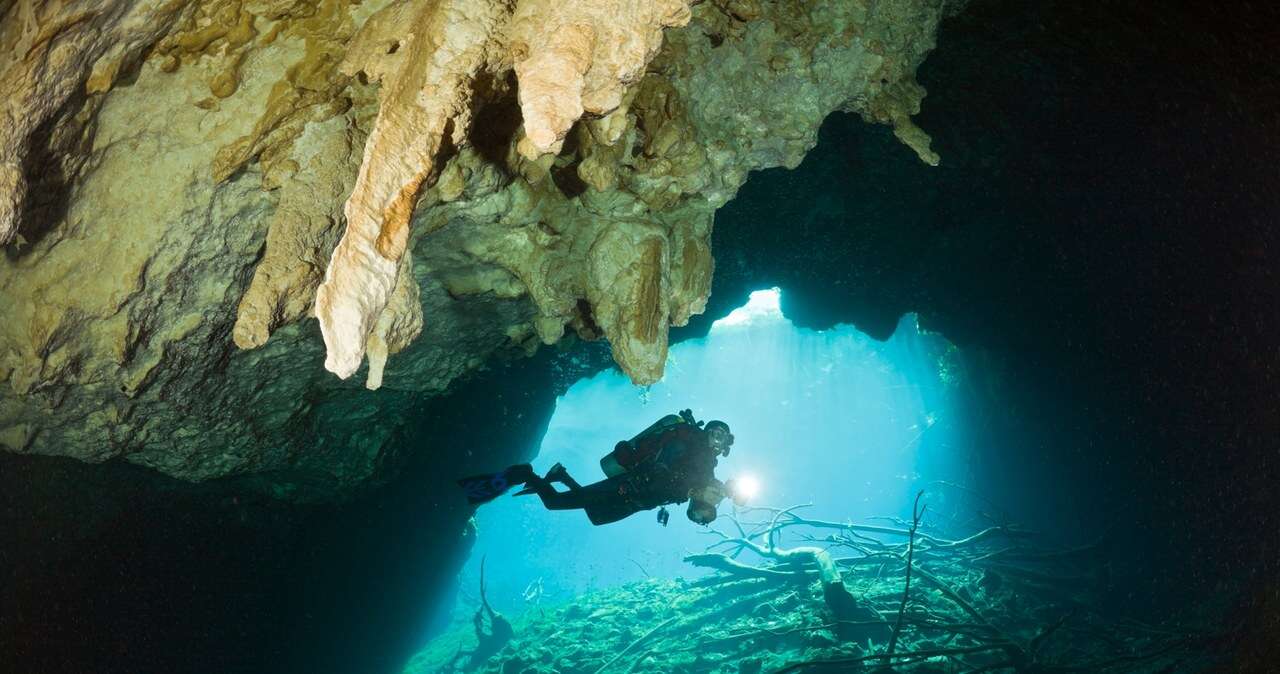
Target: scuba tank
[610, 464]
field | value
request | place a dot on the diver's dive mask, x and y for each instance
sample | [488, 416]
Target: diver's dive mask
[719, 437]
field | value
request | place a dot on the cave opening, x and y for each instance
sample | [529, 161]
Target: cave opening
[846, 427]
[834, 418]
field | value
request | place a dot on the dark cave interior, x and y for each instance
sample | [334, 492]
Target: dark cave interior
[1097, 239]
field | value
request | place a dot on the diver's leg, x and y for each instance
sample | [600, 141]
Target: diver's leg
[604, 502]
[558, 473]
[555, 500]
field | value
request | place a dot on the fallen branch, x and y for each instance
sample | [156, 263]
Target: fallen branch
[796, 630]
[646, 573]
[719, 562]
[937, 541]
[960, 601]
[1040, 639]
[926, 653]
[1014, 651]
[957, 628]
[633, 644]
[916, 513]
[488, 643]
[842, 604]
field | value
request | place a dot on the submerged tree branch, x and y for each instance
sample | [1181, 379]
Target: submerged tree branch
[916, 513]
[978, 574]
[638, 641]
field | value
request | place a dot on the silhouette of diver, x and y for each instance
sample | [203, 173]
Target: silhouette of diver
[672, 461]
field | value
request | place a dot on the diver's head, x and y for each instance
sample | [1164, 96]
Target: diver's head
[703, 501]
[701, 512]
[719, 436]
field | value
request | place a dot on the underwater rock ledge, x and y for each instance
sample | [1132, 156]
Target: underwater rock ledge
[176, 178]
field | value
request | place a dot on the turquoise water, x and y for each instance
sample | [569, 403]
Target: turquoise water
[832, 418]
[842, 434]
[841, 431]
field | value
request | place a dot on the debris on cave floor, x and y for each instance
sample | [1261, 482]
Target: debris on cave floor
[992, 601]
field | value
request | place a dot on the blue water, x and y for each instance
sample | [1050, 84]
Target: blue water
[832, 418]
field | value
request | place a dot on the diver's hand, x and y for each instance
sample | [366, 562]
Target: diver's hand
[713, 493]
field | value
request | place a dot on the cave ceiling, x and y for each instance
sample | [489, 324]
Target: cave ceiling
[244, 236]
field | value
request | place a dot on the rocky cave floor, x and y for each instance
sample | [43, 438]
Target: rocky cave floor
[995, 600]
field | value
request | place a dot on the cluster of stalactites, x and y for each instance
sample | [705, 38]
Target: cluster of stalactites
[569, 58]
[642, 265]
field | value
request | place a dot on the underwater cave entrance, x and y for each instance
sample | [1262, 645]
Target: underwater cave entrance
[834, 418]
[855, 428]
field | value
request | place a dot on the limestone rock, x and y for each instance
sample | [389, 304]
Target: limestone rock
[629, 291]
[47, 48]
[398, 324]
[572, 57]
[568, 57]
[302, 231]
[181, 174]
[424, 94]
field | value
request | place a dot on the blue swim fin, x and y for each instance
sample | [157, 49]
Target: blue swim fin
[485, 488]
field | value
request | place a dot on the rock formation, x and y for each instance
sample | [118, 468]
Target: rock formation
[182, 184]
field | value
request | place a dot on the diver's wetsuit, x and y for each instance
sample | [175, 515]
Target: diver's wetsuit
[661, 471]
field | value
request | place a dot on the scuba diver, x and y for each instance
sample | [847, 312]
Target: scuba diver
[670, 462]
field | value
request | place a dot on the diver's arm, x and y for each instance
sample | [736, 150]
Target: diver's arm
[717, 489]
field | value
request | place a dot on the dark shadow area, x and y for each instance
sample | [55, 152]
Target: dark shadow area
[567, 180]
[496, 124]
[1099, 241]
[49, 169]
[117, 566]
[113, 568]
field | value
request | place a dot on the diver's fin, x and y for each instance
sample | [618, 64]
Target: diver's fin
[485, 488]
